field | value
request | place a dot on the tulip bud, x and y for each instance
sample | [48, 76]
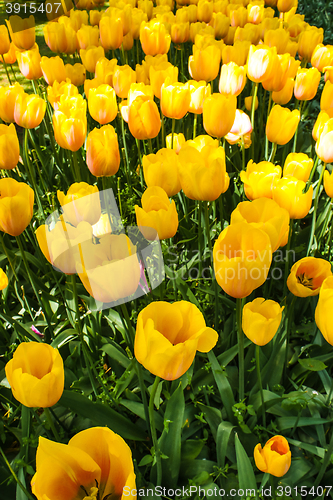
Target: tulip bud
[282, 124]
[322, 56]
[29, 63]
[328, 183]
[70, 122]
[29, 110]
[9, 147]
[154, 38]
[90, 57]
[123, 77]
[87, 36]
[232, 79]
[260, 63]
[53, 69]
[144, 119]
[175, 99]
[16, 206]
[214, 107]
[111, 32]
[306, 83]
[102, 104]
[3, 280]
[80, 204]
[4, 40]
[161, 169]
[324, 145]
[308, 40]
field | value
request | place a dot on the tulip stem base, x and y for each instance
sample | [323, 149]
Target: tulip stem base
[51, 423]
[153, 431]
[240, 336]
[263, 410]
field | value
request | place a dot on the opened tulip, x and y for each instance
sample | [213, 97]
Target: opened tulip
[9, 147]
[298, 165]
[232, 79]
[261, 319]
[324, 145]
[154, 38]
[102, 104]
[242, 257]
[36, 375]
[205, 63]
[3, 280]
[161, 169]
[264, 214]
[175, 99]
[81, 203]
[53, 69]
[157, 215]
[70, 122]
[282, 124]
[55, 92]
[95, 464]
[103, 157]
[90, 56]
[29, 63]
[288, 193]
[259, 179]
[274, 458]
[306, 83]
[168, 336]
[328, 183]
[76, 73]
[16, 206]
[203, 174]
[307, 275]
[60, 38]
[144, 119]
[216, 106]
[260, 62]
[22, 31]
[324, 307]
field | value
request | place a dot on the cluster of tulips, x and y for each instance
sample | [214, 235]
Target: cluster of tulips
[73, 106]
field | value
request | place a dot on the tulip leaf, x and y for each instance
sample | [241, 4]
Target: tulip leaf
[314, 365]
[101, 414]
[63, 338]
[222, 439]
[170, 440]
[223, 386]
[213, 417]
[289, 422]
[246, 475]
[115, 354]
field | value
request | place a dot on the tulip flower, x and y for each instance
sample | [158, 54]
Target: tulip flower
[9, 147]
[36, 375]
[102, 104]
[328, 183]
[81, 203]
[109, 270]
[282, 124]
[4, 40]
[90, 56]
[29, 63]
[277, 38]
[204, 64]
[322, 118]
[60, 38]
[111, 32]
[154, 38]
[22, 31]
[199, 92]
[275, 457]
[285, 94]
[324, 145]
[307, 275]
[105, 69]
[96, 463]
[29, 110]
[288, 193]
[201, 141]
[232, 79]
[168, 336]
[138, 16]
[175, 99]
[306, 83]
[103, 157]
[76, 73]
[3, 280]
[214, 107]
[55, 92]
[264, 214]
[159, 73]
[53, 69]
[136, 90]
[259, 179]
[279, 76]
[236, 53]
[241, 129]
[322, 56]
[161, 169]
[260, 62]
[123, 77]
[87, 36]
[248, 103]
[144, 119]
[70, 122]
[326, 100]
[242, 257]
[298, 165]
[157, 215]
[323, 317]
[7, 101]
[95, 16]
[178, 142]
[10, 56]
[261, 319]
[180, 32]
[308, 40]
[220, 23]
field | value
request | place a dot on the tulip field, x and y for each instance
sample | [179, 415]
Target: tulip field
[166, 240]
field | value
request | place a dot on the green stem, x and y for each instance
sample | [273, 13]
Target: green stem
[25, 423]
[289, 320]
[240, 337]
[296, 133]
[162, 130]
[51, 423]
[253, 104]
[195, 125]
[6, 69]
[76, 167]
[30, 172]
[106, 199]
[263, 411]
[140, 161]
[23, 488]
[200, 237]
[150, 146]
[243, 152]
[153, 431]
[172, 131]
[216, 292]
[272, 156]
[8, 256]
[286, 266]
[325, 463]
[315, 207]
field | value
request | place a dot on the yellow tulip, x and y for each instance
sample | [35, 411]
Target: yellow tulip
[70, 122]
[277, 38]
[60, 38]
[96, 463]
[161, 169]
[326, 100]
[16, 206]
[259, 179]
[236, 53]
[308, 40]
[29, 110]
[288, 193]
[261, 319]
[29, 63]
[178, 142]
[199, 92]
[103, 157]
[102, 104]
[298, 165]
[3, 280]
[168, 336]
[76, 73]
[275, 457]
[285, 94]
[323, 315]
[324, 144]
[36, 375]
[204, 64]
[123, 77]
[306, 83]
[214, 107]
[260, 62]
[55, 92]
[322, 56]
[144, 121]
[282, 124]
[4, 40]
[307, 275]
[175, 99]
[22, 31]
[159, 73]
[53, 69]
[154, 38]
[232, 79]
[9, 147]
[90, 56]
[328, 183]
[81, 203]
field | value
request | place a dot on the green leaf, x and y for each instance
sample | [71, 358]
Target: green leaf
[115, 353]
[222, 440]
[246, 475]
[312, 364]
[191, 448]
[223, 386]
[64, 337]
[147, 459]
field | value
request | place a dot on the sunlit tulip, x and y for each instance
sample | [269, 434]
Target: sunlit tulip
[70, 122]
[161, 169]
[111, 32]
[158, 75]
[306, 83]
[76, 73]
[3, 280]
[324, 145]
[9, 147]
[279, 76]
[178, 141]
[242, 258]
[123, 77]
[288, 193]
[323, 317]
[144, 119]
[123, 12]
[307, 275]
[201, 141]
[220, 23]
[95, 17]
[76, 18]
[285, 94]
[275, 457]
[137, 17]
[53, 69]
[16, 206]
[90, 56]
[285, 5]
[154, 38]
[36, 374]
[105, 69]
[60, 38]
[298, 165]
[29, 110]
[180, 32]
[282, 124]
[232, 79]
[259, 179]
[250, 32]
[22, 31]
[277, 38]
[248, 103]
[322, 56]
[204, 64]
[240, 129]
[8, 97]
[328, 183]
[10, 56]
[328, 73]
[102, 104]
[321, 121]
[203, 173]
[55, 91]
[264, 214]
[168, 336]
[204, 11]
[4, 40]
[81, 203]
[260, 62]
[237, 53]
[175, 99]
[261, 319]
[237, 14]
[29, 63]
[103, 157]
[199, 92]
[308, 40]
[147, 7]
[216, 106]
[87, 36]
[95, 464]
[326, 100]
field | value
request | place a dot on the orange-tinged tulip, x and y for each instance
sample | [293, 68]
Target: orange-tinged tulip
[3, 280]
[288, 193]
[261, 320]
[10, 56]
[298, 165]
[87, 36]
[76, 73]
[154, 38]
[96, 461]
[328, 183]
[123, 77]
[237, 15]
[242, 257]
[70, 122]
[307, 275]
[161, 169]
[60, 38]
[326, 100]
[260, 62]
[216, 106]
[90, 56]
[175, 99]
[259, 179]
[199, 92]
[324, 145]
[137, 17]
[102, 104]
[103, 157]
[232, 79]
[95, 17]
[275, 457]
[29, 63]
[178, 142]
[111, 32]
[322, 56]
[36, 375]
[105, 69]
[323, 317]
[264, 214]
[53, 69]
[237, 53]
[159, 73]
[168, 336]
[157, 215]
[277, 38]
[285, 94]
[22, 32]
[308, 40]
[144, 119]
[16, 206]
[55, 91]
[205, 63]
[8, 97]
[203, 173]
[248, 103]
[220, 23]
[282, 124]
[81, 203]
[29, 110]
[180, 32]
[204, 11]
[9, 147]
[240, 129]
[279, 76]
[4, 40]
[306, 83]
